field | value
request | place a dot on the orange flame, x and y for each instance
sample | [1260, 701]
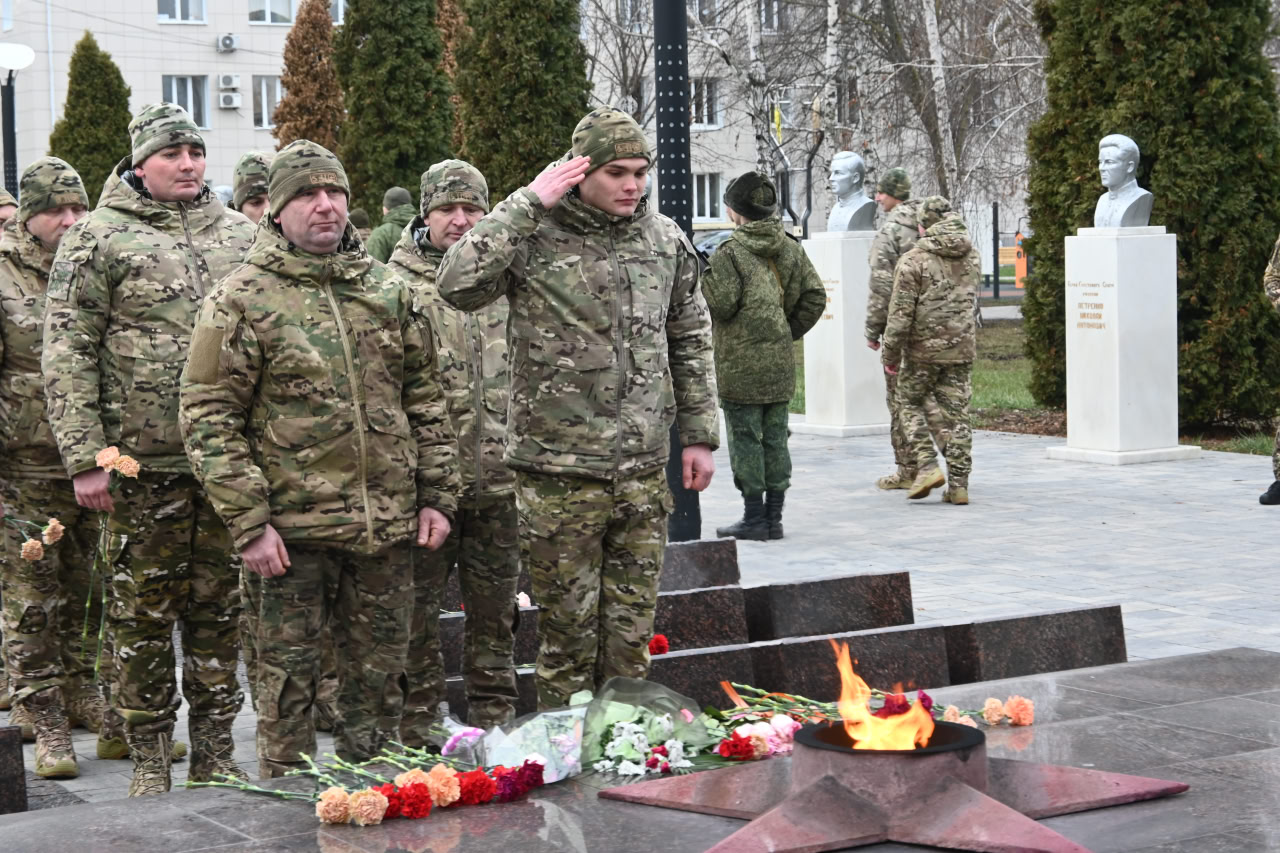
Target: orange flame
[902, 731]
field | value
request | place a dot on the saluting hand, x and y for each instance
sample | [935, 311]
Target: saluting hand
[552, 184]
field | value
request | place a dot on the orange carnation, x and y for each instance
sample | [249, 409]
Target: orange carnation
[333, 806]
[107, 458]
[128, 466]
[53, 531]
[1020, 711]
[367, 807]
[411, 777]
[32, 550]
[993, 712]
[444, 786]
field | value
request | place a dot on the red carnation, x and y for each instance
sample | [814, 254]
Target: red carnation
[894, 704]
[736, 748]
[476, 787]
[666, 767]
[659, 645]
[652, 763]
[415, 801]
[530, 776]
[394, 800]
[659, 750]
[508, 787]
[925, 700]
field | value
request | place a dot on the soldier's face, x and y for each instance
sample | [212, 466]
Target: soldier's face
[175, 173]
[446, 225]
[48, 226]
[617, 186]
[313, 220]
[1113, 167]
[886, 201]
[254, 207]
[6, 213]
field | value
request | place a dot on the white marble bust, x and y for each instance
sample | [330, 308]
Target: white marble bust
[853, 210]
[1125, 204]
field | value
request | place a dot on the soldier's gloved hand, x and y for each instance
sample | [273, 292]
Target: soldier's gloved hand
[698, 466]
[552, 184]
[92, 490]
[433, 528]
[266, 555]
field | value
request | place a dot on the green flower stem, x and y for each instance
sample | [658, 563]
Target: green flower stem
[315, 772]
[354, 769]
[253, 789]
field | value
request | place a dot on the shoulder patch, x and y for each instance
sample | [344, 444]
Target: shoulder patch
[206, 351]
[66, 275]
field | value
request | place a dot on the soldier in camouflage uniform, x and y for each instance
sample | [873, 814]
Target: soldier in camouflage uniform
[122, 299]
[50, 658]
[610, 343]
[896, 236]
[483, 543]
[1271, 284]
[763, 294]
[930, 343]
[249, 184]
[312, 413]
[8, 206]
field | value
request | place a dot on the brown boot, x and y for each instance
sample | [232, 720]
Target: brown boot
[85, 707]
[113, 747]
[55, 757]
[900, 479]
[150, 754]
[211, 751]
[6, 698]
[20, 716]
[927, 479]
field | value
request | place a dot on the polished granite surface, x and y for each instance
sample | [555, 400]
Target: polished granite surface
[1211, 720]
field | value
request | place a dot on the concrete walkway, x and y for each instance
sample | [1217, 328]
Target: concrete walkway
[1183, 546]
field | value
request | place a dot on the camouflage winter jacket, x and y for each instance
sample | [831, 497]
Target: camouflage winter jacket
[472, 353]
[931, 310]
[126, 284]
[610, 338]
[29, 451]
[895, 237]
[311, 400]
[383, 239]
[763, 293]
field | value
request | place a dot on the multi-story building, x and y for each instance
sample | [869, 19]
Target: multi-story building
[221, 59]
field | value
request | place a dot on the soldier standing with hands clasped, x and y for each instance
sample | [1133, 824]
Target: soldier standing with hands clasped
[312, 413]
[610, 344]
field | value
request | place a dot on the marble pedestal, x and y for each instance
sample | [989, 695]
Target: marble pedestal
[844, 382]
[1122, 347]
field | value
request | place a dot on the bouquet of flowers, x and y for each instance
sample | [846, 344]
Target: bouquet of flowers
[635, 728]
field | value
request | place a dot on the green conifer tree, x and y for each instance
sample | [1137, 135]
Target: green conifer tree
[93, 133]
[522, 81]
[312, 104]
[388, 58]
[1189, 83]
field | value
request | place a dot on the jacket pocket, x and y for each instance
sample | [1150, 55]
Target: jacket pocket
[30, 425]
[573, 391]
[650, 404]
[151, 366]
[312, 466]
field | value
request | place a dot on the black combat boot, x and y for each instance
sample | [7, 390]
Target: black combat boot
[773, 512]
[753, 525]
[1271, 496]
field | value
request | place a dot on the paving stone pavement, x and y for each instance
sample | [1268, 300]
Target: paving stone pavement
[1184, 547]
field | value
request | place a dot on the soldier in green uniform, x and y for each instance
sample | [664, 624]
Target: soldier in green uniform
[763, 293]
[483, 543]
[610, 344]
[123, 294]
[312, 413]
[50, 659]
[397, 210]
[930, 343]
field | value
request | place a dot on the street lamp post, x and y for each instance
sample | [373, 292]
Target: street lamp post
[13, 58]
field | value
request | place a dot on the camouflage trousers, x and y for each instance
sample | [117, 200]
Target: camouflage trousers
[594, 553]
[758, 446]
[483, 545]
[51, 612]
[949, 385]
[175, 564]
[250, 607]
[365, 602]
[903, 454]
[1275, 454]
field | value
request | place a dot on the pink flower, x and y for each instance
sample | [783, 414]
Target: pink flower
[470, 735]
[367, 807]
[968, 721]
[759, 746]
[785, 726]
[665, 768]
[951, 714]
[107, 457]
[687, 714]
[522, 600]
[333, 806]
[993, 711]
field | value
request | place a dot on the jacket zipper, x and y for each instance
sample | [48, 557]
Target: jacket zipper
[477, 381]
[201, 289]
[622, 351]
[358, 404]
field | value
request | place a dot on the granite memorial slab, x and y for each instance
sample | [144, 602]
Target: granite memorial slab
[699, 564]
[991, 649]
[697, 673]
[698, 618]
[829, 606]
[13, 778]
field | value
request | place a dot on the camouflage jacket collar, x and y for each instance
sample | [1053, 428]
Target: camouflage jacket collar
[26, 250]
[764, 237]
[273, 252]
[124, 192]
[947, 238]
[574, 214]
[904, 213]
[415, 251]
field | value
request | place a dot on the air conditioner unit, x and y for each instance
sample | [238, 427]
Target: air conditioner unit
[228, 81]
[229, 100]
[227, 42]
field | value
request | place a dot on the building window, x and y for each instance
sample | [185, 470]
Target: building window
[704, 109]
[706, 196]
[271, 11]
[338, 9]
[6, 14]
[190, 93]
[180, 11]
[705, 11]
[771, 15]
[266, 97]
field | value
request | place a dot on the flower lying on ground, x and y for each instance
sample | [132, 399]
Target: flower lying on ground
[443, 784]
[1020, 711]
[333, 805]
[367, 807]
[993, 712]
